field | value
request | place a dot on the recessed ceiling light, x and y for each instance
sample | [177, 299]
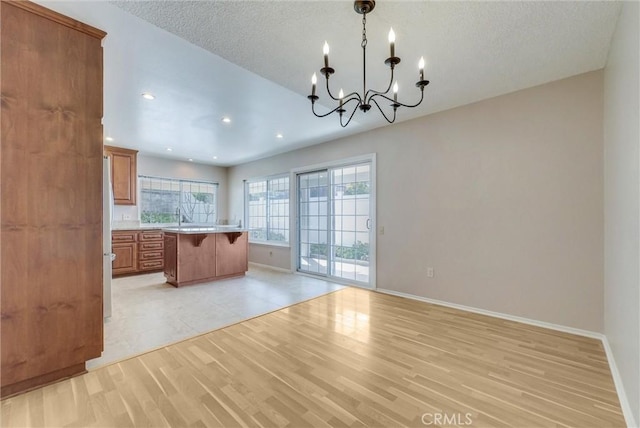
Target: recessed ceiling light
[226, 119]
[279, 135]
[169, 149]
[108, 139]
[215, 157]
[148, 96]
[190, 160]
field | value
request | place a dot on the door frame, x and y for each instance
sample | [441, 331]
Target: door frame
[293, 215]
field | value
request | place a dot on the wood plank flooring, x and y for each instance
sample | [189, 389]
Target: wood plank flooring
[352, 358]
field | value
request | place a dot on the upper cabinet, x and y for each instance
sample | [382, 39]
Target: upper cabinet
[123, 174]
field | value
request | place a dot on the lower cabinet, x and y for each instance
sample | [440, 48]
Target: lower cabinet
[150, 250]
[126, 260]
[137, 251]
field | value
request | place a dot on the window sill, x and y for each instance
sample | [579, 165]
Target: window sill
[270, 243]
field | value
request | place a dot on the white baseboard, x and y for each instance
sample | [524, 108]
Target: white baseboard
[523, 320]
[278, 269]
[617, 380]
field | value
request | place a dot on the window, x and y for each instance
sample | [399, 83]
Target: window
[268, 209]
[160, 199]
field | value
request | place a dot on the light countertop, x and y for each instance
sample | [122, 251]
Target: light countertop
[116, 228]
[207, 230]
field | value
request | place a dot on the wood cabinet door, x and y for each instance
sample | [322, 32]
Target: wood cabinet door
[124, 176]
[126, 260]
[51, 191]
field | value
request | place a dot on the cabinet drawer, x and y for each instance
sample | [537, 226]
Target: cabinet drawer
[150, 264]
[149, 255]
[151, 235]
[117, 237]
[143, 246]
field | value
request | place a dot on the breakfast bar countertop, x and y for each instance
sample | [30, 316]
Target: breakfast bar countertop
[198, 230]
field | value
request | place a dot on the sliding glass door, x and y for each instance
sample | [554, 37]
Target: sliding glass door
[313, 221]
[334, 222]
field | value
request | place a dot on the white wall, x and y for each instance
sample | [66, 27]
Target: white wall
[622, 202]
[161, 167]
[503, 198]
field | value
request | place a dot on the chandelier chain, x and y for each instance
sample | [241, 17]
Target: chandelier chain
[364, 30]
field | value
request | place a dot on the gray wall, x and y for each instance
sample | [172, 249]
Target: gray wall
[504, 198]
[622, 202]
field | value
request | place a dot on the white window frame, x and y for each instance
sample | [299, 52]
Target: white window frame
[267, 179]
[181, 182]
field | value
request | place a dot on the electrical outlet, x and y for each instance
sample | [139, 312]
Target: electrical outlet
[429, 272]
[381, 230]
[127, 217]
[270, 253]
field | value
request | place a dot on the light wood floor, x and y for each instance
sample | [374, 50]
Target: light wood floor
[351, 358]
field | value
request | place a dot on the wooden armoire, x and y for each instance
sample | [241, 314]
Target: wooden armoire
[50, 196]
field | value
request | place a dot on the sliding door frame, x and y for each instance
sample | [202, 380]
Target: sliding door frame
[294, 219]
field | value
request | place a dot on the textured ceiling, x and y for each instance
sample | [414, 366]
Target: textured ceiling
[253, 61]
[474, 50]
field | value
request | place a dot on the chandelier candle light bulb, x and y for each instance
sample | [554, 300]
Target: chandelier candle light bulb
[314, 80]
[325, 51]
[369, 97]
[392, 42]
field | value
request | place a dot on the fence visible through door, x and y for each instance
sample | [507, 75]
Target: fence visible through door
[334, 222]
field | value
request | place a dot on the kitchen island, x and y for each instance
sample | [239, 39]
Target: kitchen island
[201, 254]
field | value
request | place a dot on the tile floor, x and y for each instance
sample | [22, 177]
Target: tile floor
[149, 313]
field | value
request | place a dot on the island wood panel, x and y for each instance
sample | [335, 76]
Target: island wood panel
[51, 191]
[231, 257]
[171, 257]
[196, 257]
[190, 258]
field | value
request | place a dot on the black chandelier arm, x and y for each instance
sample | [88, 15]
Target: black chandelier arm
[344, 125]
[366, 95]
[313, 110]
[344, 103]
[329, 90]
[382, 111]
[348, 96]
[399, 104]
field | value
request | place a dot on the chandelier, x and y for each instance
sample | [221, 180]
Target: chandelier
[368, 97]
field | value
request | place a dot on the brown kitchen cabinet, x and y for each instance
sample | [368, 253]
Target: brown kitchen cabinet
[150, 250]
[137, 251]
[193, 257]
[124, 176]
[124, 246]
[51, 196]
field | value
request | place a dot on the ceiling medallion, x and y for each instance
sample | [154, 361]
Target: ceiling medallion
[369, 97]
